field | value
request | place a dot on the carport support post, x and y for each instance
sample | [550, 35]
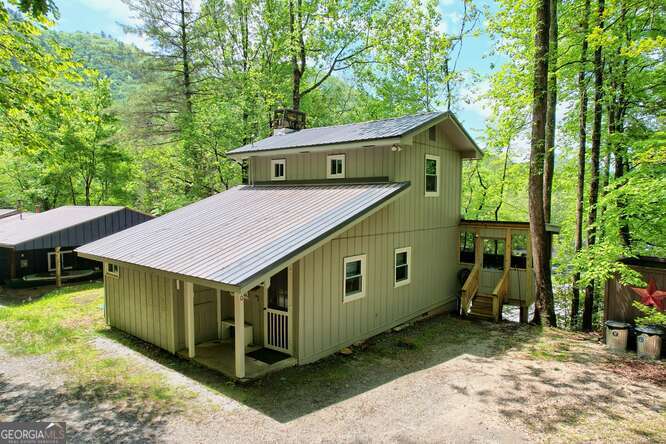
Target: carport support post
[219, 313]
[189, 318]
[58, 268]
[12, 263]
[239, 335]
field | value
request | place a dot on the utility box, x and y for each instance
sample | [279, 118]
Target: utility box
[616, 335]
[648, 342]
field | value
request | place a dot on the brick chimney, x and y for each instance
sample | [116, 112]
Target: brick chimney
[287, 121]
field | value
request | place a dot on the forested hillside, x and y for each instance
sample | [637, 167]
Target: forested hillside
[575, 135]
[113, 59]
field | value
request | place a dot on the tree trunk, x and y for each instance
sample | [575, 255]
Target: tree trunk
[298, 56]
[187, 82]
[501, 196]
[582, 141]
[72, 192]
[544, 290]
[549, 163]
[594, 166]
[87, 195]
[618, 112]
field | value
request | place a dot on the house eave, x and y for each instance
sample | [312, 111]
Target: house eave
[370, 143]
[469, 152]
[178, 276]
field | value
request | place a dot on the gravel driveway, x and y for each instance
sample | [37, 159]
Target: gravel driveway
[449, 397]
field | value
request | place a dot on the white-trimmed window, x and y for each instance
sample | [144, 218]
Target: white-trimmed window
[66, 260]
[335, 166]
[354, 278]
[112, 270]
[402, 272]
[278, 169]
[432, 175]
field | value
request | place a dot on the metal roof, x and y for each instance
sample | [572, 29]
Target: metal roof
[236, 236]
[17, 216]
[353, 132]
[25, 229]
[6, 212]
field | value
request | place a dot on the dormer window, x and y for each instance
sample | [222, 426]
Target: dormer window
[335, 166]
[278, 169]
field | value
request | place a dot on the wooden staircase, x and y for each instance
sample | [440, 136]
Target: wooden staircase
[482, 307]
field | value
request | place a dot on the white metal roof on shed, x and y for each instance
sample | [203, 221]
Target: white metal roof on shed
[21, 230]
[239, 235]
[373, 131]
[18, 216]
[6, 212]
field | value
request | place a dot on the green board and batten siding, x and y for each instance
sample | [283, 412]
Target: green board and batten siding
[427, 224]
[360, 162]
[151, 306]
[141, 304]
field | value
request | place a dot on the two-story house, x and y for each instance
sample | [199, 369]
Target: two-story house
[340, 233]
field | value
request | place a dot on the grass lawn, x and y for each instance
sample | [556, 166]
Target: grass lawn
[564, 377]
[61, 324]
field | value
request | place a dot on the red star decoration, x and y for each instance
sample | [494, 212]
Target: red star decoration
[650, 296]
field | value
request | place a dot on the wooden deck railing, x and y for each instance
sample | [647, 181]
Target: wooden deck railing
[470, 288]
[501, 293]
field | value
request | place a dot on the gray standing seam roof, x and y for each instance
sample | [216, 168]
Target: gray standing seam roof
[21, 230]
[236, 236]
[353, 132]
[4, 212]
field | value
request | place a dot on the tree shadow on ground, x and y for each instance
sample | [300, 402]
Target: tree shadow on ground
[89, 419]
[561, 396]
[298, 391]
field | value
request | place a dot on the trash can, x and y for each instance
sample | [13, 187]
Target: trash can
[648, 342]
[616, 335]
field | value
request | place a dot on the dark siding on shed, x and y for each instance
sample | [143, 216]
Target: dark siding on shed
[620, 298]
[86, 232]
[4, 263]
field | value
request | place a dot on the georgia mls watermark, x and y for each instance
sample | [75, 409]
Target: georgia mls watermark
[33, 432]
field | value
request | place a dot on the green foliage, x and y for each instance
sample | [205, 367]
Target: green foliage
[631, 201]
[114, 60]
[29, 68]
[600, 263]
[651, 315]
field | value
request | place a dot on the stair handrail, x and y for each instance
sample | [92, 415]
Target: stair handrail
[470, 288]
[501, 292]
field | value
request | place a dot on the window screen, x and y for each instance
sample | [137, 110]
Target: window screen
[467, 247]
[519, 251]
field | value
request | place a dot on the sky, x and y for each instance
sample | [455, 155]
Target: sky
[108, 16]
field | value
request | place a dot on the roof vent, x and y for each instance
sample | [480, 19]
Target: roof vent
[287, 121]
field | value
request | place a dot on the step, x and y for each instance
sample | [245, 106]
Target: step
[482, 316]
[483, 311]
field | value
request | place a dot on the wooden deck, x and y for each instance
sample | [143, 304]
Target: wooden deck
[219, 356]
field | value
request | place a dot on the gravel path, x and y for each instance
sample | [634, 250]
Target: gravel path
[464, 399]
[33, 389]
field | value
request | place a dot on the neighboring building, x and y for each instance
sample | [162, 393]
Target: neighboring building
[619, 298]
[340, 233]
[28, 240]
